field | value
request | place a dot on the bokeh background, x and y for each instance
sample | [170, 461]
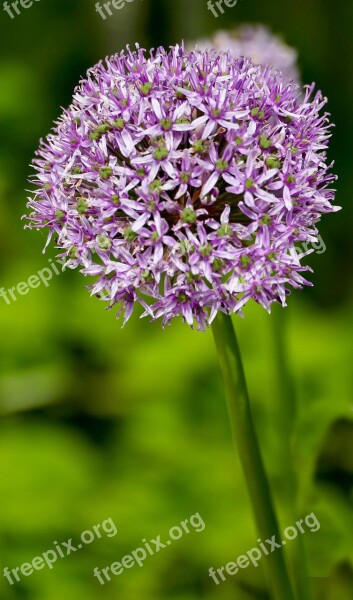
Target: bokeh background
[131, 424]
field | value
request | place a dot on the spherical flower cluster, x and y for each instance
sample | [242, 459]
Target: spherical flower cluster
[258, 43]
[184, 182]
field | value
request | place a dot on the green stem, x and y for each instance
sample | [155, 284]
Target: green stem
[246, 440]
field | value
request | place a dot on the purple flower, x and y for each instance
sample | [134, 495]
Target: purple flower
[258, 43]
[184, 182]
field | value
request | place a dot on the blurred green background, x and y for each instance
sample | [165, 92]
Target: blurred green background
[99, 422]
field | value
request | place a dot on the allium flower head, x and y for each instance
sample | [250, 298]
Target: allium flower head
[260, 44]
[183, 182]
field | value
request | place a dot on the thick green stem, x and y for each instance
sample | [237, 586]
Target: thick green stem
[246, 441]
